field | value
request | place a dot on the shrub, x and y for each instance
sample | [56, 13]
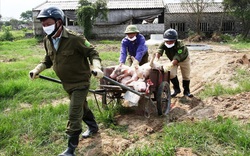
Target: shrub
[7, 35]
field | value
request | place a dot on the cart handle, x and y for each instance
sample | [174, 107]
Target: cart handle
[47, 78]
[50, 79]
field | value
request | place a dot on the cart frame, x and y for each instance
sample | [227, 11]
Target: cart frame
[159, 95]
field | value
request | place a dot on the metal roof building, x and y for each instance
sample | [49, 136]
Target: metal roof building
[62, 4]
[119, 10]
[135, 4]
[111, 4]
[185, 8]
[180, 16]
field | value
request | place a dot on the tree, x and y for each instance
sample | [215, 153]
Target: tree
[241, 10]
[87, 13]
[14, 23]
[196, 7]
[26, 16]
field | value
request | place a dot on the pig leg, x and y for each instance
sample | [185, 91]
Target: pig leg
[125, 79]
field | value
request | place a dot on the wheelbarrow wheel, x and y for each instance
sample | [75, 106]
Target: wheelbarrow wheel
[111, 99]
[163, 98]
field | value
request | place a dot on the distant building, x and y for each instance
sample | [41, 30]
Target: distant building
[180, 17]
[150, 16]
[121, 13]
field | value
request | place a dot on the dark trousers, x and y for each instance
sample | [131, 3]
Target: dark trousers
[77, 109]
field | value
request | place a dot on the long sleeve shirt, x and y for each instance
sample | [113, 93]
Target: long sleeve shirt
[178, 52]
[135, 48]
[71, 59]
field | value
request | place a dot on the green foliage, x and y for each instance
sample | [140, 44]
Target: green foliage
[85, 15]
[241, 10]
[7, 35]
[234, 39]
[88, 12]
[24, 30]
[227, 37]
[101, 9]
[190, 32]
[26, 16]
[84, 3]
[14, 23]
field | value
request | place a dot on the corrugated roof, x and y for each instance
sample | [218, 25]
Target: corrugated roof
[135, 4]
[62, 4]
[183, 8]
[112, 4]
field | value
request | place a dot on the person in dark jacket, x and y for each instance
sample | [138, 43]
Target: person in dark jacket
[70, 54]
[133, 45]
[178, 54]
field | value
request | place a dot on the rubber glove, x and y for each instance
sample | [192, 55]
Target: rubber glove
[38, 69]
[97, 69]
[167, 67]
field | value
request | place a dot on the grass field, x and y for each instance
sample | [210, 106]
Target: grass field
[31, 125]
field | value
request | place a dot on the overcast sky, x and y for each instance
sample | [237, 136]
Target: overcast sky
[14, 8]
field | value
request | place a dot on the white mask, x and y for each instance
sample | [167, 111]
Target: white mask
[131, 39]
[49, 29]
[169, 45]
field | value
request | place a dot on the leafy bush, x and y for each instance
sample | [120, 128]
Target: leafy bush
[227, 37]
[7, 35]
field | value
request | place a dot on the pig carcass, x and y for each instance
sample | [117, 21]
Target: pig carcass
[143, 71]
[123, 74]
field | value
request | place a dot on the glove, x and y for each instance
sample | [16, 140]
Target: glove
[135, 63]
[97, 69]
[38, 69]
[167, 67]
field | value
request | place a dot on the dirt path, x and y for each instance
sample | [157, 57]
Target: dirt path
[214, 66]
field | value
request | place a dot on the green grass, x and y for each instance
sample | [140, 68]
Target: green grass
[109, 42]
[17, 34]
[219, 137]
[19, 58]
[31, 125]
[22, 132]
[240, 45]
[241, 78]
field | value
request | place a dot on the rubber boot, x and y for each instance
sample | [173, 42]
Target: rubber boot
[176, 86]
[186, 91]
[89, 119]
[72, 144]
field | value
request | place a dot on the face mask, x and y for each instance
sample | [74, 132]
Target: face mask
[131, 39]
[49, 29]
[169, 45]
